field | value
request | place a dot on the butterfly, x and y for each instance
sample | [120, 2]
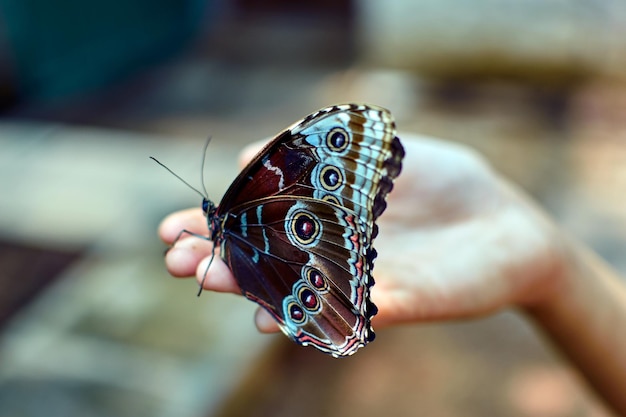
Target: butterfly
[297, 224]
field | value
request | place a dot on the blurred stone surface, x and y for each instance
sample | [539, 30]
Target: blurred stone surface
[478, 368]
[114, 335]
[552, 42]
[117, 336]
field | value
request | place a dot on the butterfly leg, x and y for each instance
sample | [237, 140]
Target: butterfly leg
[206, 271]
[186, 232]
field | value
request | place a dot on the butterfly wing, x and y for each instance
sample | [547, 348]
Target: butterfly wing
[326, 176]
[305, 261]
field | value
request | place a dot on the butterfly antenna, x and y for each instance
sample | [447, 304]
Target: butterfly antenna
[204, 151]
[182, 180]
[206, 271]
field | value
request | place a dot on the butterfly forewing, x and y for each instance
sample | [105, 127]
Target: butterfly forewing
[296, 226]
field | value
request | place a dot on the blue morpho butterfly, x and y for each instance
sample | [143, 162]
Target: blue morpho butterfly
[296, 226]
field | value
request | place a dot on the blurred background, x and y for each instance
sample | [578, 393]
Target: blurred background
[90, 322]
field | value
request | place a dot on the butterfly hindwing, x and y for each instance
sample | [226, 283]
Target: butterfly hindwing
[307, 263]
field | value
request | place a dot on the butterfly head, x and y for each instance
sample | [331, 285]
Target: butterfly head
[214, 221]
[208, 208]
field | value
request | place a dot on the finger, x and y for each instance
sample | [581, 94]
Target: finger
[192, 220]
[250, 151]
[218, 277]
[182, 260]
[264, 321]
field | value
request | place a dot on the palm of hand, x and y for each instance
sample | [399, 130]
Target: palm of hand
[458, 241]
[455, 241]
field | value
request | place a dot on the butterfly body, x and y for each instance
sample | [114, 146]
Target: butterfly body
[296, 226]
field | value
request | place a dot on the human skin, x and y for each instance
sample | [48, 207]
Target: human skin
[459, 241]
